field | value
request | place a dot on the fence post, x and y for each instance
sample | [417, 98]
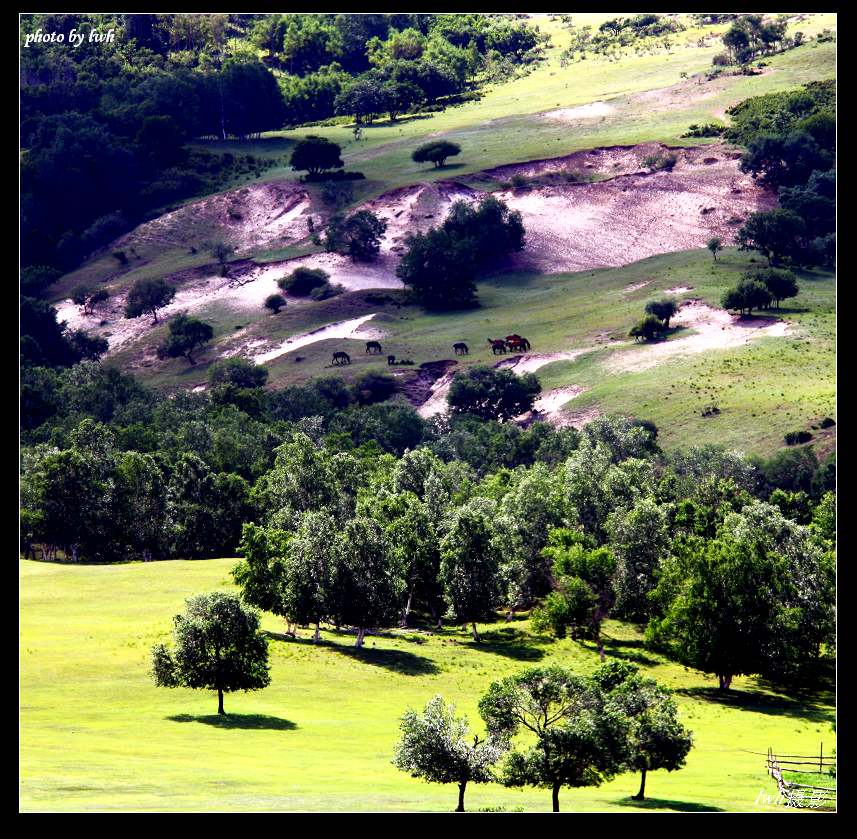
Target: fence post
[821, 758]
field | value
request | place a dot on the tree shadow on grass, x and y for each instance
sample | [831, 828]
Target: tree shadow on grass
[615, 648]
[762, 703]
[667, 804]
[400, 661]
[510, 642]
[245, 721]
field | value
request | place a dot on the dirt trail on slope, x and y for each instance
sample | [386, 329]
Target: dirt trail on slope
[714, 329]
[428, 389]
[531, 362]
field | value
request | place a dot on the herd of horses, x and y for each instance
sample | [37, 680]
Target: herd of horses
[511, 343]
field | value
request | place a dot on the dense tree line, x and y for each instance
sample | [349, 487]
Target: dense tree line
[790, 140]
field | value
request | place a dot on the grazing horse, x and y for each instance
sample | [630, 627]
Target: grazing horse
[340, 357]
[517, 342]
[497, 346]
[460, 348]
[373, 346]
[391, 359]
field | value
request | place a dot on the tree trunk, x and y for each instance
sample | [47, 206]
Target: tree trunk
[641, 794]
[360, 633]
[155, 315]
[725, 681]
[220, 701]
[407, 611]
[317, 636]
[460, 807]
[475, 633]
[600, 644]
[555, 798]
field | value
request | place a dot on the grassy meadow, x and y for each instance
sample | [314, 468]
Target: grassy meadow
[96, 734]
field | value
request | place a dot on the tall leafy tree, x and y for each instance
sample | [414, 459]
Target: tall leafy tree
[435, 745]
[147, 296]
[185, 336]
[218, 645]
[580, 738]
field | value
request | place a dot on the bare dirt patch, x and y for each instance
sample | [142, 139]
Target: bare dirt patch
[590, 111]
[714, 329]
[679, 289]
[428, 389]
[552, 401]
[531, 362]
[635, 287]
[273, 214]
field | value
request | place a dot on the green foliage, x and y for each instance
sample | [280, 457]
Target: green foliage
[275, 302]
[147, 296]
[303, 281]
[316, 155]
[581, 738]
[663, 309]
[436, 152]
[647, 328]
[435, 745]
[489, 393]
[185, 336]
[218, 646]
[749, 294]
[714, 244]
[358, 235]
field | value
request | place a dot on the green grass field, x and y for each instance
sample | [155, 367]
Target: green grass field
[96, 734]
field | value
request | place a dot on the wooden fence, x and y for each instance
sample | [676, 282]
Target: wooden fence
[803, 795]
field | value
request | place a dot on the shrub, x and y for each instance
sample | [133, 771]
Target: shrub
[437, 152]
[794, 438]
[274, 302]
[302, 281]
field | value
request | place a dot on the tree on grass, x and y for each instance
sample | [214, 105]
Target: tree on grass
[657, 739]
[221, 252]
[439, 269]
[714, 244]
[316, 155]
[436, 746]
[437, 152]
[775, 234]
[274, 302]
[217, 646]
[649, 328]
[469, 566]
[781, 284]
[303, 281]
[584, 592]
[147, 296]
[749, 294]
[495, 394]
[186, 334]
[663, 309]
[357, 236]
[581, 738]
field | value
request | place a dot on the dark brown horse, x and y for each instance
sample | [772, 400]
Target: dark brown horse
[340, 357]
[373, 346]
[460, 348]
[497, 345]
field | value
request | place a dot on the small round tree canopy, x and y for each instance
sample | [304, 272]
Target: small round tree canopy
[315, 155]
[437, 152]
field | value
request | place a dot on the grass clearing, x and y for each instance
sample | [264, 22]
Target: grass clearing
[96, 734]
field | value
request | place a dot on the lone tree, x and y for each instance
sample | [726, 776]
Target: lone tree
[89, 298]
[495, 394]
[274, 302]
[649, 328]
[218, 646]
[437, 152]
[436, 746]
[316, 155]
[581, 739]
[303, 281]
[186, 334]
[663, 310]
[221, 252]
[656, 738]
[147, 296]
[714, 244]
[358, 236]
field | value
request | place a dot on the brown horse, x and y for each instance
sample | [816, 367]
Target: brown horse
[460, 348]
[497, 345]
[373, 346]
[340, 357]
